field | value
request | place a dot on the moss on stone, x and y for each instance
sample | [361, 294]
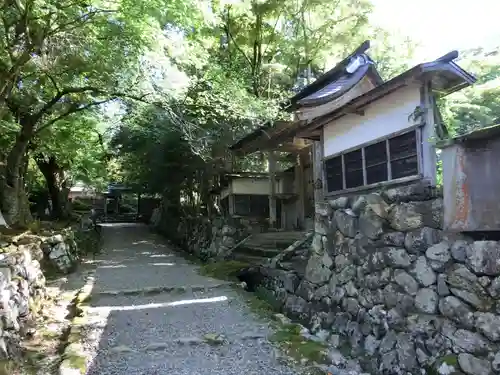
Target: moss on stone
[268, 297]
[450, 360]
[224, 270]
[75, 361]
[288, 337]
[258, 306]
[11, 367]
[7, 367]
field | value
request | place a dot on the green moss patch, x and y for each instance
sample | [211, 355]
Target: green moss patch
[449, 361]
[223, 270]
[75, 361]
[73, 355]
[258, 306]
[289, 339]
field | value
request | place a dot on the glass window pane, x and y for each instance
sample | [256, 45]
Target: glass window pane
[354, 179]
[377, 173]
[353, 169]
[333, 171]
[404, 167]
[376, 154]
[353, 160]
[404, 145]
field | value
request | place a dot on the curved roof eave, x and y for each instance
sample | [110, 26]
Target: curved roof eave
[338, 87]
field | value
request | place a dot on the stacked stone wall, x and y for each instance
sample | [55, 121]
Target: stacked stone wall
[206, 238]
[384, 283]
[22, 282]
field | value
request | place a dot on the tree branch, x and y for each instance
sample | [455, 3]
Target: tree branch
[70, 112]
[75, 108]
[228, 32]
[72, 90]
[85, 18]
[53, 81]
[271, 39]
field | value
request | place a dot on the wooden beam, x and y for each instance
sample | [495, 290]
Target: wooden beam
[428, 152]
[270, 139]
[272, 191]
[318, 172]
[230, 199]
[300, 190]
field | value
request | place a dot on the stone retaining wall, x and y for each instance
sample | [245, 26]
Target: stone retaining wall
[206, 238]
[22, 282]
[386, 285]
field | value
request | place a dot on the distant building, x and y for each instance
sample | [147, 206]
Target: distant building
[81, 190]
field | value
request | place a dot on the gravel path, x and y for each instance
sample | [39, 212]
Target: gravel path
[181, 322]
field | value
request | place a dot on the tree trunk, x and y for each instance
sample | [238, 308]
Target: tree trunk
[13, 199]
[56, 186]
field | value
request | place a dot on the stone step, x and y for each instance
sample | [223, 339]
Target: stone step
[251, 259]
[274, 240]
[289, 235]
[254, 243]
[257, 251]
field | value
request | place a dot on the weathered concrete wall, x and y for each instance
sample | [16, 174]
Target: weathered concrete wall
[383, 283]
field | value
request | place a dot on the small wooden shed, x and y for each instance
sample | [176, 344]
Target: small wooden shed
[471, 182]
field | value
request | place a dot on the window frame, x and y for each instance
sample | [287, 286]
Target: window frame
[418, 139]
[252, 198]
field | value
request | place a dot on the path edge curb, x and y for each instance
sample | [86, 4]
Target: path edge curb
[73, 346]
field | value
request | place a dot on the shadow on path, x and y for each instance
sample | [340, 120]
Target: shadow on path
[152, 313]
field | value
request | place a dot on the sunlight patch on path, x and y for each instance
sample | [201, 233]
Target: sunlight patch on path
[159, 305]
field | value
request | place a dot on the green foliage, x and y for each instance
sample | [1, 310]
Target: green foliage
[391, 53]
[61, 58]
[479, 105]
[152, 151]
[151, 92]
[78, 146]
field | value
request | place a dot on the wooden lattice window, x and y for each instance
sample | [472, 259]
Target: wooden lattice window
[386, 160]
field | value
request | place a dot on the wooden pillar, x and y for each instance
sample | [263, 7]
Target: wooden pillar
[428, 161]
[230, 201]
[272, 190]
[105, 207]
[138, 208]
[318, 172]
[300, 184]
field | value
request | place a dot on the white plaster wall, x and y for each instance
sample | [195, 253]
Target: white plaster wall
[382, 117]
[259, 186]
[250, 186]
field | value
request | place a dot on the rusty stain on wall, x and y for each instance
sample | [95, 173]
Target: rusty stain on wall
[470, 185]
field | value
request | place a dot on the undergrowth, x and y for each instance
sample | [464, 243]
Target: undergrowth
[223, 270]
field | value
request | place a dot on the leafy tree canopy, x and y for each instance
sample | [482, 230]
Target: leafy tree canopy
[479, 105]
